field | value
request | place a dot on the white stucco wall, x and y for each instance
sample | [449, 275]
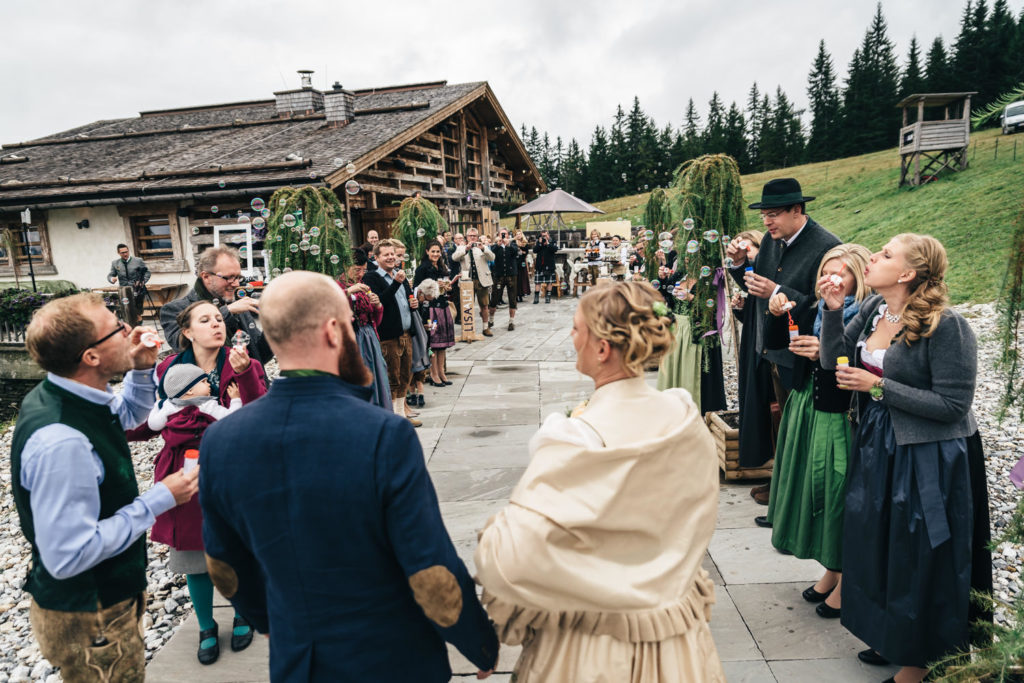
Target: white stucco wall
[84, 256]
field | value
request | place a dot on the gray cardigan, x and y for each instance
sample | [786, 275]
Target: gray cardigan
[929, 385]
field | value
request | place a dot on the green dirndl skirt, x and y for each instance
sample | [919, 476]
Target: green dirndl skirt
[809, 481]
[680, 368]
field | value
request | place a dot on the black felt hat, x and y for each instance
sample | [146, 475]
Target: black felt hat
[781, 192]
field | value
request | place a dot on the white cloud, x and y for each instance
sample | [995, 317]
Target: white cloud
[561, 66]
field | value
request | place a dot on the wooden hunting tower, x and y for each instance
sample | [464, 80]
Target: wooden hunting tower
[941, 142]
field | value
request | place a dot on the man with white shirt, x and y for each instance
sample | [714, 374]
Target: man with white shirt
[787, 263]
[76, 494]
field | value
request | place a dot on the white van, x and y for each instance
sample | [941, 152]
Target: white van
[1013, 117]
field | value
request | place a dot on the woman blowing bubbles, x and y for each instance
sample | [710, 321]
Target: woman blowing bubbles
[916, 509]
[594, 566]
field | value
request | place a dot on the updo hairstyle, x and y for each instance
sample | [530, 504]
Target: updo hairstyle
[622, 313]
[929, 296]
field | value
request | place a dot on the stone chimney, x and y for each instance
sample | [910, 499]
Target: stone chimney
[305, 100]
[339, 105]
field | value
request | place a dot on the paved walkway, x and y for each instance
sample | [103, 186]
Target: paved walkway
[474, 438]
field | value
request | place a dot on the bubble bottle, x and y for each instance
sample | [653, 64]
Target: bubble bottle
[191, 460]
[150, 340]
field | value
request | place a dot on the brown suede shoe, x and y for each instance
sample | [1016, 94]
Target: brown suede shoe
[761, 498]
[763, 488]
[488, 333]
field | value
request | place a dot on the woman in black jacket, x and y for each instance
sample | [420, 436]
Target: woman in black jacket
[439, 323]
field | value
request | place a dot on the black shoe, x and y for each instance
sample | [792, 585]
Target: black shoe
[239, 643]
[447, 383]
[890, 679]
[871, 657]
[547, 299]
[419, 400]
[826, 612]
[536, 297]
[208, 655]
[811, 595]
[410, 400]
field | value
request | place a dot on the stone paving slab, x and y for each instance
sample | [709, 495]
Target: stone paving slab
[763, 629]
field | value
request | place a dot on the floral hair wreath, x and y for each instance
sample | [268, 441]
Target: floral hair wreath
[661, 310]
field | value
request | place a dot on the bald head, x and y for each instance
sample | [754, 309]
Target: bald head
[296, 309]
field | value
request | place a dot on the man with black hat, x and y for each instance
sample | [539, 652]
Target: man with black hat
[786, 263]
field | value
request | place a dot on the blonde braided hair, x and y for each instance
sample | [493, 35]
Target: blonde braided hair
[622, 313]
[929, 295]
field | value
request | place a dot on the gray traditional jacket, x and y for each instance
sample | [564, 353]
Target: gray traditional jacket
[929, 385]
[129, 273]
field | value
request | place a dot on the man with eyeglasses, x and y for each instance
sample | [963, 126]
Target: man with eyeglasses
[220, 277]
[76, 493]
[786, 263]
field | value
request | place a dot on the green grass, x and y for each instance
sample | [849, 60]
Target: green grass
[971, 212]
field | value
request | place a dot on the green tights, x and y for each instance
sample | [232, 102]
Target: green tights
[200, 589]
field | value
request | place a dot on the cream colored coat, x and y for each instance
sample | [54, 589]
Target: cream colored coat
[595, 564]
[483, 256]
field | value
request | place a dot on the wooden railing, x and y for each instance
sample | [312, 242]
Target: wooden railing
[11, 333]
[925, 136]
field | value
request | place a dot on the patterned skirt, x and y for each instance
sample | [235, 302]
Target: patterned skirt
[444, 336]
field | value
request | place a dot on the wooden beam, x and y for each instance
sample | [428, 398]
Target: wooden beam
[463, 171]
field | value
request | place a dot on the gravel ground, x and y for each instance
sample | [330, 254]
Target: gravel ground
[169, 604]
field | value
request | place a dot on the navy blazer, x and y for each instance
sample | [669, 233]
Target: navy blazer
[391, 323]
[320, 522]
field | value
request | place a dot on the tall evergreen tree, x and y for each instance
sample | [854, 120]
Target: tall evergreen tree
[618, 149]
[601, 178]
[872, 87]
[826, 113]
[1000, 41]
[573, 169]
[937, 76]
[755, 123]
[713, 136]
[736, 136]
[666, 140]
[912, 79]
[968, 68]
[692, 146]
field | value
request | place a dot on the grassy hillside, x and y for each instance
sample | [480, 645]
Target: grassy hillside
[972, 212]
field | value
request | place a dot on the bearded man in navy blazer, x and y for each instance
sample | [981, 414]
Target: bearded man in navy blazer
[320, 522]
[787, 262]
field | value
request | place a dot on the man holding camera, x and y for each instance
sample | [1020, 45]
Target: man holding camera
[544, 267]
[504, 273]
[130, 274]
[474, 257]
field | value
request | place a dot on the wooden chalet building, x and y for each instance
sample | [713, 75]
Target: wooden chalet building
[161, 181]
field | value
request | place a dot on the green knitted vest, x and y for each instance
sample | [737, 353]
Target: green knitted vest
[117, 578]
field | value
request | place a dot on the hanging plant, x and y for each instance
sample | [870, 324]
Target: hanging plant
[418, 222]
[306, 231]
[657, 220]
[710, 205]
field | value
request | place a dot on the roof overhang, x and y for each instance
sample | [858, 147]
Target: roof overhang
[935, 99]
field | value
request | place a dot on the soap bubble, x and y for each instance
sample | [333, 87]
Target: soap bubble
[665, 244]
[665, 236]
[350, 168]
[338, 161]
[645, 186]
[243, 219]
[293, 247]
[352, 187]
[221, 184]
[338, 222]
[257, 204]
[288, 220]
[688, 224]
[692, 246]
[276, 272]
[655, 284]
[314, 231]
[711, 236]
[335, 259]
[265, 213]
[710, 303]
[314, 249]
[286, 270]
[243, 251]
[124, 301]
[619, 218]
[728, 262]
[252, 326]
[258, 223]
[240, 339]
[421, 232]
[282, 202]
[304, 245]
[214, 209]
[240, 293]
[195, 229]
[278, 238]
[312, 175]
[648, 235]
[705, 271]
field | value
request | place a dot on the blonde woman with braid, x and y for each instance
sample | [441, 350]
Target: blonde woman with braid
[915, 497]
[594, 566]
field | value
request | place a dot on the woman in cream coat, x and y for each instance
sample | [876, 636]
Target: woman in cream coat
[595, 565]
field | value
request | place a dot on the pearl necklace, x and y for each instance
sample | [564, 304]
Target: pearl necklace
[893, 318]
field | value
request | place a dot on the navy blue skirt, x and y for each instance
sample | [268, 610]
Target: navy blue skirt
[907, 543]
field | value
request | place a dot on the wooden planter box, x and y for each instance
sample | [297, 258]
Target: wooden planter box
[727, 441]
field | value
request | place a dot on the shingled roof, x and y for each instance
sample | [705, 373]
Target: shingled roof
[227, 149]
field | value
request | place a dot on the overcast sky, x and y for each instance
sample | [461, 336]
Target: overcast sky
[557, 64]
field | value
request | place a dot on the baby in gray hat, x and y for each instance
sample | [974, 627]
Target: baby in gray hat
[186, 399]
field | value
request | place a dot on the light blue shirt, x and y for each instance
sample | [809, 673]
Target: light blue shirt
[64, 485]
[401, 298]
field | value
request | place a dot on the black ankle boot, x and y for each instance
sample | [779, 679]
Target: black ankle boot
[536, 297]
